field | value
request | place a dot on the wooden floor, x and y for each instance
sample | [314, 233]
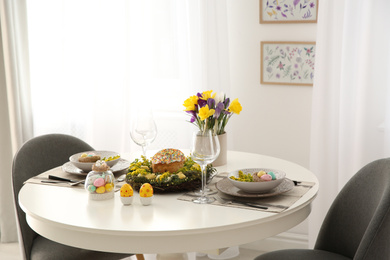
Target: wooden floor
[10, 251]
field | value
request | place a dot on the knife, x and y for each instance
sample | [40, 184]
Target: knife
[253, 205]
[52, 177]
[48, 181]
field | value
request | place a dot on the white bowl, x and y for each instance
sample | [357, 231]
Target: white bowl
[87, 166]
[257, 187]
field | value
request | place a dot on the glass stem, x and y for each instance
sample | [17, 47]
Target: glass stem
[144, 150]
[205, 189]
[203, 192]
[144, 146]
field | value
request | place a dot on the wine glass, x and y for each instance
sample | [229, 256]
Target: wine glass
[143, 129]
[204, 150]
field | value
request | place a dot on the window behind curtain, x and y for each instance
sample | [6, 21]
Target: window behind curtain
[95, 62]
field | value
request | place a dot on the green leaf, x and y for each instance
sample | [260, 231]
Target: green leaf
[273, 60]
[287, 71]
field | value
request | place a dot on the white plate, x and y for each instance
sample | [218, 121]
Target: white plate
[87, 166]
[225, 186]
[121, 165]
[257, 187]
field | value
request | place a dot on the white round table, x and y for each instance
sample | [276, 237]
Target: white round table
[168, 225]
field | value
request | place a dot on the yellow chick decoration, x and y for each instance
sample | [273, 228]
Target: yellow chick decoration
[146, 194]
[126, 193]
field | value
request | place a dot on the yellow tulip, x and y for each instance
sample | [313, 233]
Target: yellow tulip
[190, 103]
[205, 112]
[235, 107]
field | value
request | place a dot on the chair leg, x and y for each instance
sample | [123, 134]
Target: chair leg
[140, 257]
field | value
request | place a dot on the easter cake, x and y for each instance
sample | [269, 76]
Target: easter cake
[167, 171]
[167, 160]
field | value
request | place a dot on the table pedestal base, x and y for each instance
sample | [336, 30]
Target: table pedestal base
[229, 253]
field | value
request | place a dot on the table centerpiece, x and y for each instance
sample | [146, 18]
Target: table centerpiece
[210, 111]
[187, 178]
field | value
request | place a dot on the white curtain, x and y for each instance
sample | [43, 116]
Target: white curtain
[90, 64]
[350, 119]
[15, 112]
[94, 63]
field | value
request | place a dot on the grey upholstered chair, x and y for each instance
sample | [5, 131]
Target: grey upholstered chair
[36, 156]
[357, 225]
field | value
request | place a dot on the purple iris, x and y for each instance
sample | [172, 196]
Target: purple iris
[211, 102]
[193, 115]
[201, 102]
[220, 107]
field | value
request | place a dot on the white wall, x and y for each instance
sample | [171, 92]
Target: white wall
[275, 120]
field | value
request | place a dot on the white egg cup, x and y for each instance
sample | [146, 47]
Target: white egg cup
[127, 200]
[146, 200]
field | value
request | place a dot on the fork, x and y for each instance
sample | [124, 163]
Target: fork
[226, 201]
[76, 183]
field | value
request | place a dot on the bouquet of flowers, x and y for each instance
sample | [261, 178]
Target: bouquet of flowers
[211, 111]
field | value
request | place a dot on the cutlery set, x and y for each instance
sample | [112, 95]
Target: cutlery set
[56, 179]
[249, 204]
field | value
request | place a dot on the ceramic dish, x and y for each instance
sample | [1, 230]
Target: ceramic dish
[121, 165]
[225, 186]
[257, 187]
[87, 166]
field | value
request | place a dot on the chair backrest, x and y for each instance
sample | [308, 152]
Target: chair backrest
[358, 222]
[38, 155]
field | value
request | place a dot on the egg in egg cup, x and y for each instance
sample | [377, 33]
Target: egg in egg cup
[146, 194]
[126, 194]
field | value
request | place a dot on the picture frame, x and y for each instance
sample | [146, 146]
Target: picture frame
[287, 63]
[288, 11]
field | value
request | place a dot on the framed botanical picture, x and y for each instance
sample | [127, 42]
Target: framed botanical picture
[288, 11]
[287, 63]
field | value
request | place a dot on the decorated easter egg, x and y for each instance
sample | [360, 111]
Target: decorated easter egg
[272, 175]
[101, 190]
[108, 178]
[99, 182]
[109, 187]
[261, 173]
[90, 180]
[266, 177]
[91, 188]
[126, 190]
[146, 190]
